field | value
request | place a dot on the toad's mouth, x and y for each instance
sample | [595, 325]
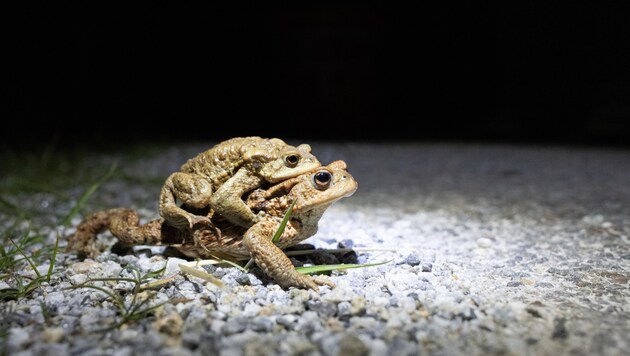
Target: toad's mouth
[302, 207]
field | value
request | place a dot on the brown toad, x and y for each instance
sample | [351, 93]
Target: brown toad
[220, 176]
[312, 192]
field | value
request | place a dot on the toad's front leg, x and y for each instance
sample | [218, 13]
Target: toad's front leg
[273, 261]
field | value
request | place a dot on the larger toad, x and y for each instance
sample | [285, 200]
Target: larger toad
[312, 193]
[220, 176]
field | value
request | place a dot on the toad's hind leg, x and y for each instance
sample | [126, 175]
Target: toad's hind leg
[193, 191]
[123, 223]
[83, 242]
[124, 226]
[227, 199]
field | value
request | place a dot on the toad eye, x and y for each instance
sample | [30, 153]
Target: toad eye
[322, 179]
[291, 160]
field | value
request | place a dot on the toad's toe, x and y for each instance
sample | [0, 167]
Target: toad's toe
[323, 281]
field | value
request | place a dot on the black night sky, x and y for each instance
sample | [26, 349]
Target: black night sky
[536, 72]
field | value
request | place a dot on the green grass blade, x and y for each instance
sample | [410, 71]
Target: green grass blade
[153, 274]
[328, 268]
[30, 262]
[110, 279]
[136, 307]
[35, 283]
[7, 294]
[109, 293]
[53, 258]
[283, 224]
[219, 260]
[278, 233]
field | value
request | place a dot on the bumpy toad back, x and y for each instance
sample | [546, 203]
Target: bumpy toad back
[219, 177]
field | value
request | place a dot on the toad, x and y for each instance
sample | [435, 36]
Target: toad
[218, 177]
[312, 193]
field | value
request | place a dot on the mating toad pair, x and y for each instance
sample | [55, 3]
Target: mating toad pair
[233, 198]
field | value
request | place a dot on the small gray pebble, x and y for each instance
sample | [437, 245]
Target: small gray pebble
[262, 323]
[344, 310]
[412, 259]
[543, 285]
[235, 325]
[242, 279]
[346, 243]
[210, 268]
[562, 272]
[288, 321]
[323, 309]
[559, 329]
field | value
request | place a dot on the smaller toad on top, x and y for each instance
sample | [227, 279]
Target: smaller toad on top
[218, 178]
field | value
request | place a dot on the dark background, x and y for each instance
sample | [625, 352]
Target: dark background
[532, 72]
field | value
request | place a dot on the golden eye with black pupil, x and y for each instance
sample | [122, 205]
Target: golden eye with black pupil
[322, 179]
[292, 160]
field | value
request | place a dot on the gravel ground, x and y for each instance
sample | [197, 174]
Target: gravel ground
[492, 250]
